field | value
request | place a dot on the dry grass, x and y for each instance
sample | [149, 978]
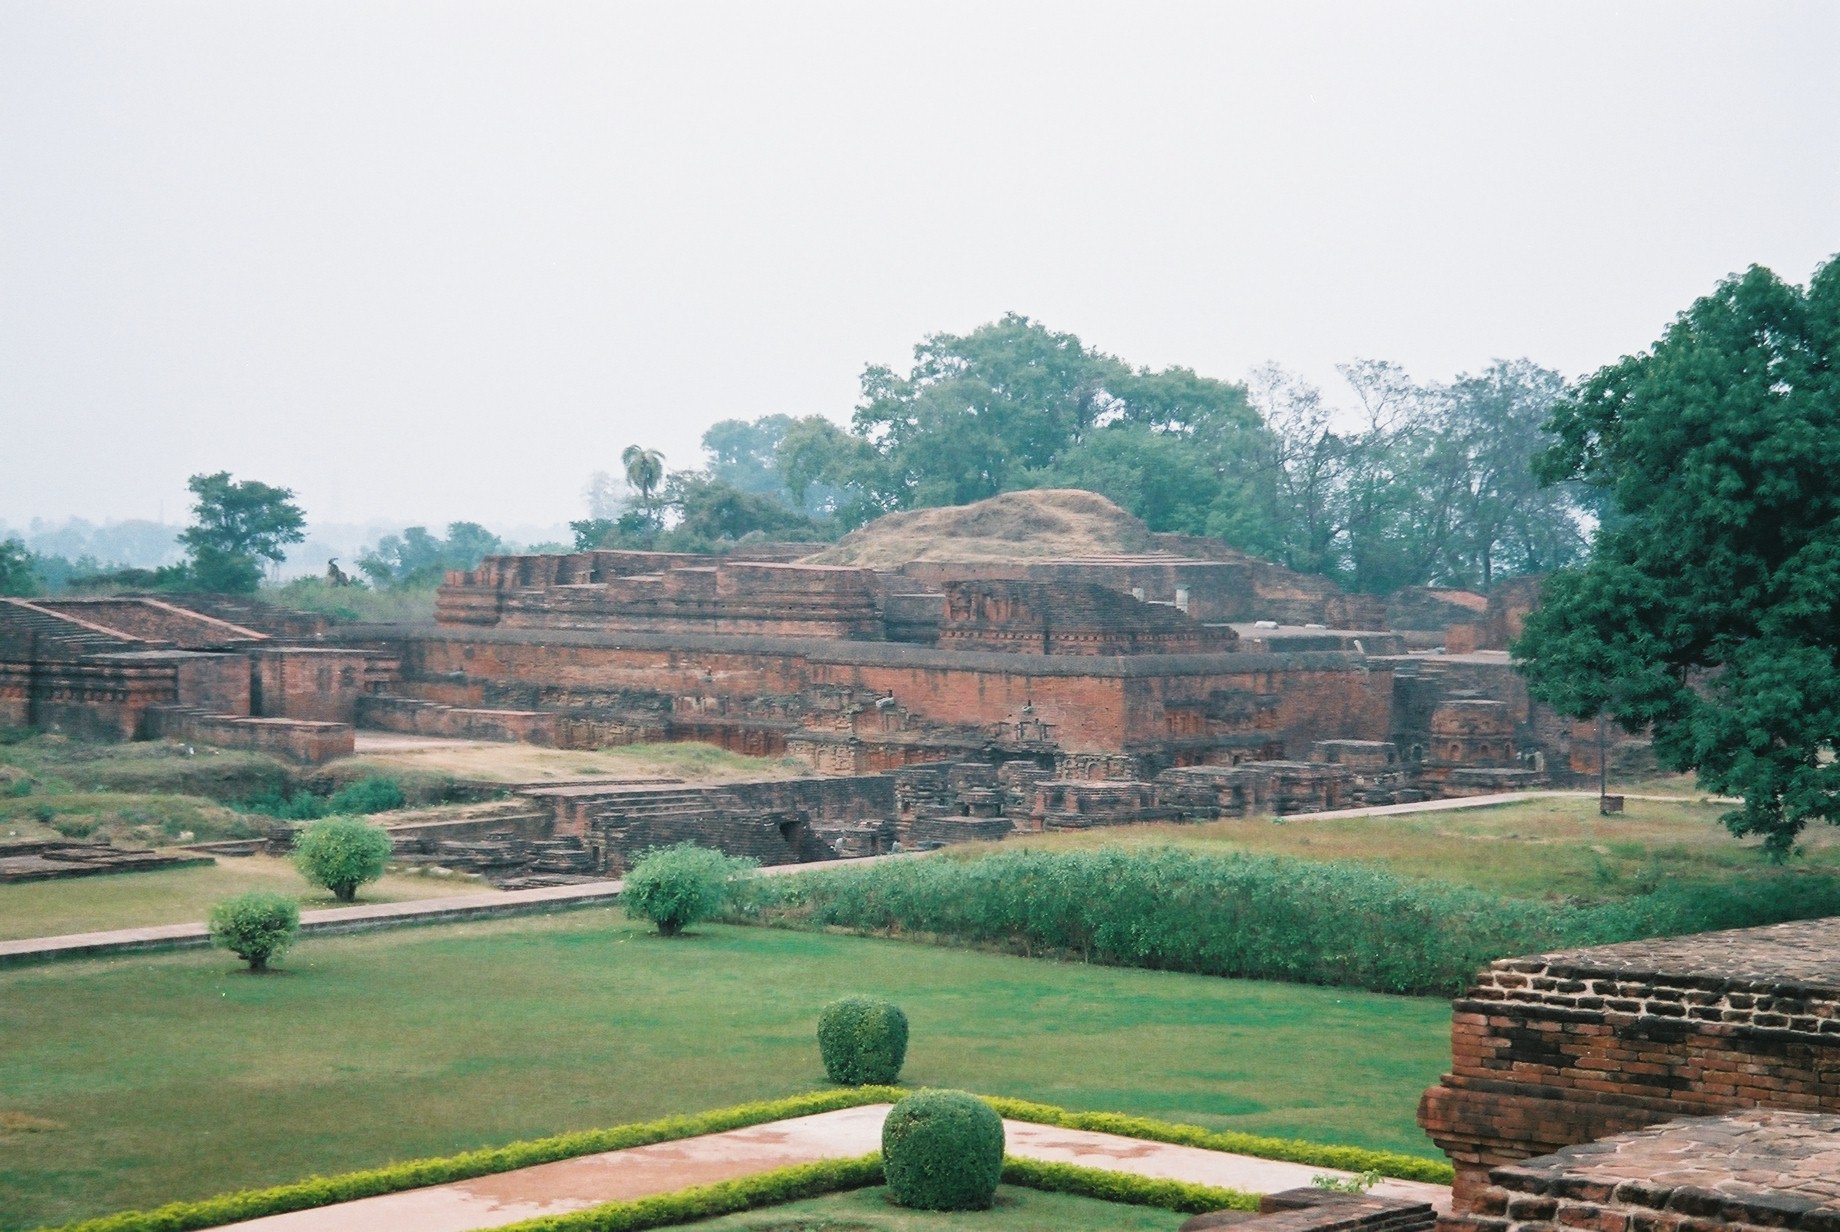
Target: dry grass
[1046, 524]
[1556, 847]
[483, 761]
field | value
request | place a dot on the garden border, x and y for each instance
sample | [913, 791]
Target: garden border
[415, 1174]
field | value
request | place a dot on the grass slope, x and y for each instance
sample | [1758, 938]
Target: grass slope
[1553, 848]
[1017, 1210]
[184, 895]
[480, 761]
[173, 1076]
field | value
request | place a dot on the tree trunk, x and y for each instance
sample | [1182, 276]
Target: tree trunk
[345, 893]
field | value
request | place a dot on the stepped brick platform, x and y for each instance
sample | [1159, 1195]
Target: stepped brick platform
[56, 859]
[1556, 1050]
[1750, 1170]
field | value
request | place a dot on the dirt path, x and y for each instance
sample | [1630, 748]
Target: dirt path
[638, 1172]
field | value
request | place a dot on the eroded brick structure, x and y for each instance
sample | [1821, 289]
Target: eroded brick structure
[1126, 670]
[140, 668]
[1556, 1050]
[1764, 1168]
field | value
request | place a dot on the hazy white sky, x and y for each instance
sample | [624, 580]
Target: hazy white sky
[431, 260]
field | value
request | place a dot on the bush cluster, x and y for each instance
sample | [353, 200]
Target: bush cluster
[862, 1040]
[376, 794]
[942, 1151]
[1250, 916]
[675, 887]
[342, 853]
[256, 926]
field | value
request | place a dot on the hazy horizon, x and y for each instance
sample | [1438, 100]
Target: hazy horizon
[423, 263]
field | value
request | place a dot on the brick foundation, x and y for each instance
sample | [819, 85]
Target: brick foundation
[1560, 1049]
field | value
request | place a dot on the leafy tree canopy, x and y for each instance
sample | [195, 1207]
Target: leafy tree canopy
[418, 558]
[236, 526]
[1710, 608]
[16, 576]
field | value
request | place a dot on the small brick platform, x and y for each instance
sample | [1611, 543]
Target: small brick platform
[1559, 1049]
[1759, 1169]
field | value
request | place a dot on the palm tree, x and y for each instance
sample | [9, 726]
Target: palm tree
[644, 470]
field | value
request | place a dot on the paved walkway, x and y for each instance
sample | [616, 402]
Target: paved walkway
[356, 918]
[638, 1172]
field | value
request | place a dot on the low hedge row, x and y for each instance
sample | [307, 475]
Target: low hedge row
[803, 1181]
[1125, 1187]
[723, 1198]
[1292, 1150]
[413, 1174]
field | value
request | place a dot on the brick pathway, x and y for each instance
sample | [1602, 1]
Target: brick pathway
[574, 1184]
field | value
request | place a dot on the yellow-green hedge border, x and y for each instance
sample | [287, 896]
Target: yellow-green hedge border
[414, 1174]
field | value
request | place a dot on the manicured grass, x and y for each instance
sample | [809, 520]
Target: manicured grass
[1556, 847]
[183, 895]
[1017, 1210]
[175, 1076]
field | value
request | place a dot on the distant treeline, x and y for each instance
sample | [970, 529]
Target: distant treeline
[1412, 483]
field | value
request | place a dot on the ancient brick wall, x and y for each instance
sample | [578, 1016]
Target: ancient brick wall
[103, 697]
[307, 682]
[1748, 1170]
[1559, 1049]
[219, 683]
[299, 740]
[1069, 619]
[154, 621]
[604, 591]
[1166, 707]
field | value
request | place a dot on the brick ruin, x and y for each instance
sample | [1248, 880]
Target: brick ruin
[1683, 1083]
[1033, 695]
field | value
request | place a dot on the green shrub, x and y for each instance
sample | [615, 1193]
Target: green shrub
[675, 887]
[862, 1040]
[256, 926]
[1250, 916]
[376, 794]
[942, 1151]
[300, 806]
[342, 853]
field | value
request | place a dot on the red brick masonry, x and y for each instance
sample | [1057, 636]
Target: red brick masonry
[1757, 1169]
[1559, 1049]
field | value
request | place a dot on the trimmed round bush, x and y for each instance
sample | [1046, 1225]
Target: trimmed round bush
[256, 926]
[942, 1151]
[342, 853]
[863, 1040]
[675, 887]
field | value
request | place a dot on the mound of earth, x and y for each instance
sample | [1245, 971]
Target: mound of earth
[1047, 524]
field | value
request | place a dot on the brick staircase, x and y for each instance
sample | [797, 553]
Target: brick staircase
[419, 717]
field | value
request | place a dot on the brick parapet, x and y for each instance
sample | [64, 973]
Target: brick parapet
[1553, 1050]
[1751, 1170]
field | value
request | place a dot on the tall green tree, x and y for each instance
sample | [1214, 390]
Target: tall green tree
[16, 573]
[644, 470]
[1710, 608]
[418, 557]
[977, 411]
[235, 527]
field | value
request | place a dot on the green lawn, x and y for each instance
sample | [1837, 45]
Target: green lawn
[1017, 1210]
[132, 1081]
[182, 895]
[1557, 847]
